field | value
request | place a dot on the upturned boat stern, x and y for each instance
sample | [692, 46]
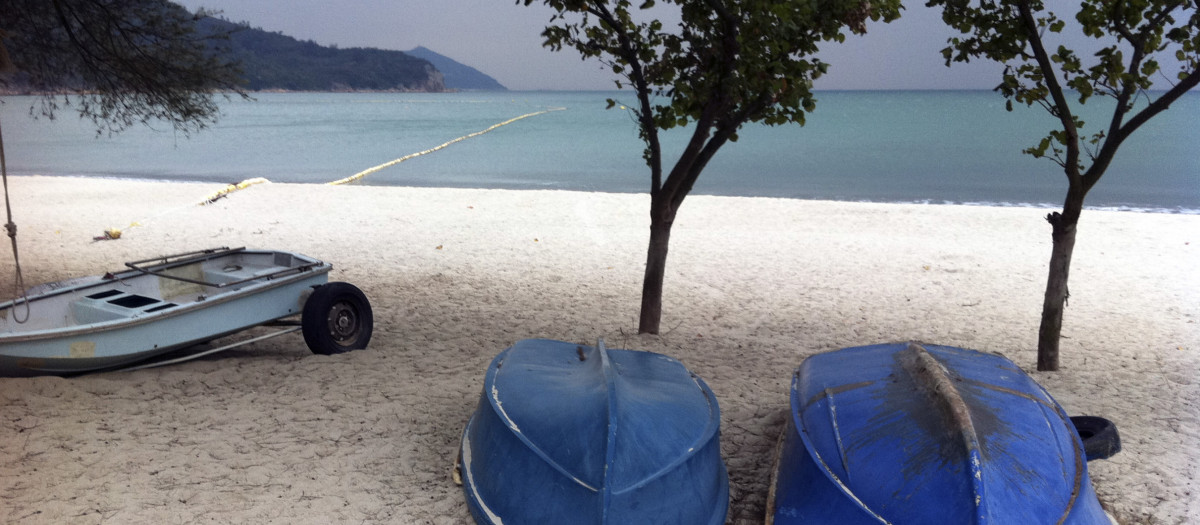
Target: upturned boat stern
[566, 433]
[904, 433]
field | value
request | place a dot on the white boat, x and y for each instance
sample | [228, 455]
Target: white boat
[174, 301]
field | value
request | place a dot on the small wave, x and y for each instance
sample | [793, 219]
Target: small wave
[1052, 206]
[1010, 204]
[510, 183]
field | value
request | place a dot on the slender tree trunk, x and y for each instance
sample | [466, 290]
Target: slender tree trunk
[1063, 233]
[661, 219]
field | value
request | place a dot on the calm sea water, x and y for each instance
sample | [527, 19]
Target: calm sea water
[907, 146]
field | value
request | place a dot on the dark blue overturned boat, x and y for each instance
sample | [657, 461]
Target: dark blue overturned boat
[566, 433]
[911, 434]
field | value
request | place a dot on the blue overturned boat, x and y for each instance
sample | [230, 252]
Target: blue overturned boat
[567, 433]
[908, 434]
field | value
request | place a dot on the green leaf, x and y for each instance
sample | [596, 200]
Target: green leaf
[1149, 68]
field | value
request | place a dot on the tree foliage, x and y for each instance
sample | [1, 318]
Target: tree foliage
[1134, 37]
[122, 62]
[726, 63]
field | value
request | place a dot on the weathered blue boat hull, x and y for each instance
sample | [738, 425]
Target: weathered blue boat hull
[905, 434]
[566, 433]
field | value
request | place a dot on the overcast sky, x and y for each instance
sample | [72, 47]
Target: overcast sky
[502, 39]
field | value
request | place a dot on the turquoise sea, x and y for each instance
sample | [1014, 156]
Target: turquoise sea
[883, 146]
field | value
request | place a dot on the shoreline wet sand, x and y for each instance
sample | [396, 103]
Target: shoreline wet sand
[272, 433]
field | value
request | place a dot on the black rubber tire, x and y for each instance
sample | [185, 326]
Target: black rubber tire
[336, 318]
[1099, 435]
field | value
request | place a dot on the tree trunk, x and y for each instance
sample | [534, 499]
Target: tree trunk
[1063, 234]
[656, 267]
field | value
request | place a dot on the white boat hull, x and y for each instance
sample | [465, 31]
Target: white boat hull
[135, 315]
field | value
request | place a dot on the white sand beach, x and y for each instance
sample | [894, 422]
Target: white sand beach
[271, 433]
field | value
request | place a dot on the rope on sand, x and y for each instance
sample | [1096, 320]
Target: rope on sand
[113, 234]
[369, 171]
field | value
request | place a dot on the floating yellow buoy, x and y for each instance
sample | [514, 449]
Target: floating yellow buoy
[369, 171]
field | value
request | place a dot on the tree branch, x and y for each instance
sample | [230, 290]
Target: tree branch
[691, 163]
[642, 88]
[1056, 92]
[1119, 130]
[724, 131]
[1157, 106]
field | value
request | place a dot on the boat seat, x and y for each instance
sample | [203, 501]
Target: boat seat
[241, 273]
[111, 305]
[218, 277]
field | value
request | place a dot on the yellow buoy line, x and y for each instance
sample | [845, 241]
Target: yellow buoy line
[369, 171]
[115, 233]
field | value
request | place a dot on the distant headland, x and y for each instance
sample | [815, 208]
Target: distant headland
[273, 61]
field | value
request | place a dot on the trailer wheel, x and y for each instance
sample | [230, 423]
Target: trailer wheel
[1099, 435]
[336, 318]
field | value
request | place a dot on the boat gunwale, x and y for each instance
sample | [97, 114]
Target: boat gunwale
[811, 450]
[211, 254]
[265, 283]
[710, 435]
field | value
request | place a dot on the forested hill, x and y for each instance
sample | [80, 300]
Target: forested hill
[458, 76]
[274, 61]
